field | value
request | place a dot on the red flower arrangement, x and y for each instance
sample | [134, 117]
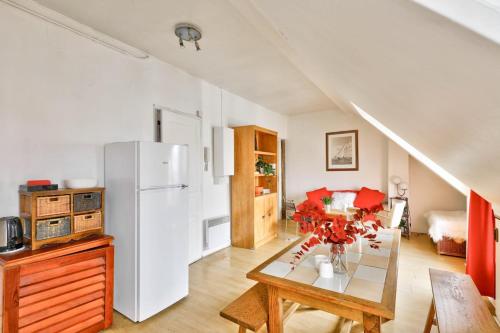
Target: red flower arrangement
[336, 229]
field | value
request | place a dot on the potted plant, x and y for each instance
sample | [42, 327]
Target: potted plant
[263, 167]
[327, 202]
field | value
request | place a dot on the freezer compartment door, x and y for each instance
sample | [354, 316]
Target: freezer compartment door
[163, 249]
[162, 164]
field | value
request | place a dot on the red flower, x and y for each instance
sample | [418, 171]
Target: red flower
[327, 229]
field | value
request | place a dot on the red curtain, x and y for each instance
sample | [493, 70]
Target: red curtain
[481, 245]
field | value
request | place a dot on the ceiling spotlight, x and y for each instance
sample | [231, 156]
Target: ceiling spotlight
[187, 32]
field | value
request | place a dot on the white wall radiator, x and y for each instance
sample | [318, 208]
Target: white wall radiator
[216, 234]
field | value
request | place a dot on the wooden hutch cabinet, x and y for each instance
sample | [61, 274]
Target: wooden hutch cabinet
[254, 217]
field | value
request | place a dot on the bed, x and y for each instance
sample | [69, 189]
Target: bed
[448, 230]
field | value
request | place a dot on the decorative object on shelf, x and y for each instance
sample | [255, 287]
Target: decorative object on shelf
[265, 168]
[80, 183]
[342, 151]
[38, 185]
[327, 202]
[401, 186]
[336, 230]
[405, 224]
[61, 216]
[266, 191]
[258, 190]
[36, 182]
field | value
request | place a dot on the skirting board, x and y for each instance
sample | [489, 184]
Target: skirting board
[216, 249]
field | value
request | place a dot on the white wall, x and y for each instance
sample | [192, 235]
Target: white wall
[430, 192]
[398, 164]
[62, 97]
[305, 155]
[236, 111]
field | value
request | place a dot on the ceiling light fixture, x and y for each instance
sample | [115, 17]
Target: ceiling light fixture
[187, 32]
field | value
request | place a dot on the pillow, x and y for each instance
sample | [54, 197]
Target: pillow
[316, 195]
[368, 198]
[346, 191]
[343, 199]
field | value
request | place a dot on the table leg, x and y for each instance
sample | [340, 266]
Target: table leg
[275, 324]
[430, 318]
[371, 323]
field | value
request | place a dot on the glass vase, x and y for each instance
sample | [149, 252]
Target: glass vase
[338, 258]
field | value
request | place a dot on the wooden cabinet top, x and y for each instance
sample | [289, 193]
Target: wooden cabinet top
[28, 255]
[258, 129]
[62, 191]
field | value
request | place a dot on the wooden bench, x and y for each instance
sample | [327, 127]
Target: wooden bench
[250, 310]
[457, 305]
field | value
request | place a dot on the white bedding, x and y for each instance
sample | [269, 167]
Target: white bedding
[452, 224]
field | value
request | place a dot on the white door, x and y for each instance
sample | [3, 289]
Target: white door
[163, 264]
[184, 129]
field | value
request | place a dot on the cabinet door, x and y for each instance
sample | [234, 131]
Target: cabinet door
[259, 219]
[271, 221]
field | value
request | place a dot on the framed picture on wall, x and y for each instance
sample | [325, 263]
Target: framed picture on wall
[342, 151]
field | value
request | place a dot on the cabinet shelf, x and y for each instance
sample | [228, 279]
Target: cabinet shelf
[259, 152]
[265, 195]
[261, 175]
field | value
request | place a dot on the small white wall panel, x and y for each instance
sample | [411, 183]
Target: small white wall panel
[223, 151]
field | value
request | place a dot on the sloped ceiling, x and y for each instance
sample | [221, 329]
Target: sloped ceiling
[433, 82]
[234, 55]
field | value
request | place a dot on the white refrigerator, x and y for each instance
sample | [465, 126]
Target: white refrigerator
[147, 213]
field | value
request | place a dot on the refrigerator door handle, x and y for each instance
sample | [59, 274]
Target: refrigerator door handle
[152, 188]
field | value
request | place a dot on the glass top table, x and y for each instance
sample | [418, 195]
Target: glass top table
[368, 289]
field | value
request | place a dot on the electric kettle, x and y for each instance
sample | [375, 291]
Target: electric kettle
[11, 234]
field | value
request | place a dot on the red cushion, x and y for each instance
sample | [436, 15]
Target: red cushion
[368, 198]
[316, 195]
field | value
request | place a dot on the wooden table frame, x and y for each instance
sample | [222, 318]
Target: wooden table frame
[371, 314]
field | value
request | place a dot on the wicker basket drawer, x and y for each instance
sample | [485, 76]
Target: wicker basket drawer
[85, 202]
[87, 222]
[53, 205]
[51, 228]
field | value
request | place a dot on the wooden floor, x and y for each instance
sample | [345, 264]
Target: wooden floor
[218, 279]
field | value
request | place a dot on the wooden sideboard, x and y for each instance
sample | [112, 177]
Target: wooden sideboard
[60, 287]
